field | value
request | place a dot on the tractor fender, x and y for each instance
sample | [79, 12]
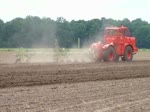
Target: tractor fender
[106, 46]
[128, 45]
[96, 45]
[135, 49]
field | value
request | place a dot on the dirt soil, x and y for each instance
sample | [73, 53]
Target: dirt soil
[76, 87]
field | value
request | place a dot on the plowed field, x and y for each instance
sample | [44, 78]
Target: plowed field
[75, 87]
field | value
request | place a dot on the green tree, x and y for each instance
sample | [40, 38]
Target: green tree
[33, 31]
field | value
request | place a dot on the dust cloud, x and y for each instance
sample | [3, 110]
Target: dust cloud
[44, 49]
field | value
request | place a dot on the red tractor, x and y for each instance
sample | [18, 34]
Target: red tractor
[117, 42]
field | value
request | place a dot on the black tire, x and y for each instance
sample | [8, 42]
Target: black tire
[110, 54]
[128, 54]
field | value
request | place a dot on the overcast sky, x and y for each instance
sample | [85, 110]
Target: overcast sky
[76, 9]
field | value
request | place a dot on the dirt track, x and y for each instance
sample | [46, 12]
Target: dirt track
[39, 74]
[88, 87]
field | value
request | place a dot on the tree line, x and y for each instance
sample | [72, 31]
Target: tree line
[33, 32]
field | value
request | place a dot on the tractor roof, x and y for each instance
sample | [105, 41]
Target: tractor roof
[116, 28]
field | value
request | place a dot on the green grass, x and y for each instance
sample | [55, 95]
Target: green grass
[49, 49]
[36, 49]
[144, 50]
[25, 49]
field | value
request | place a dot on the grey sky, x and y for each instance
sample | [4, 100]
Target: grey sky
[75, 9]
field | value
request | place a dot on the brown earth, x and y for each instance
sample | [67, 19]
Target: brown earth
[75, 87]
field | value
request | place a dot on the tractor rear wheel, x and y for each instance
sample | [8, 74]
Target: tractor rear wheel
[128, 54]
[110, 54]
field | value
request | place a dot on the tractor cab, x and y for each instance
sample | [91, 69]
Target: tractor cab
[115, 34]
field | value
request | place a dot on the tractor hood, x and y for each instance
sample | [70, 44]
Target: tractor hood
[97, 45]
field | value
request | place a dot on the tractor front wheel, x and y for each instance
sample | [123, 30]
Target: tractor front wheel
[128, 54]
[110, 55]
